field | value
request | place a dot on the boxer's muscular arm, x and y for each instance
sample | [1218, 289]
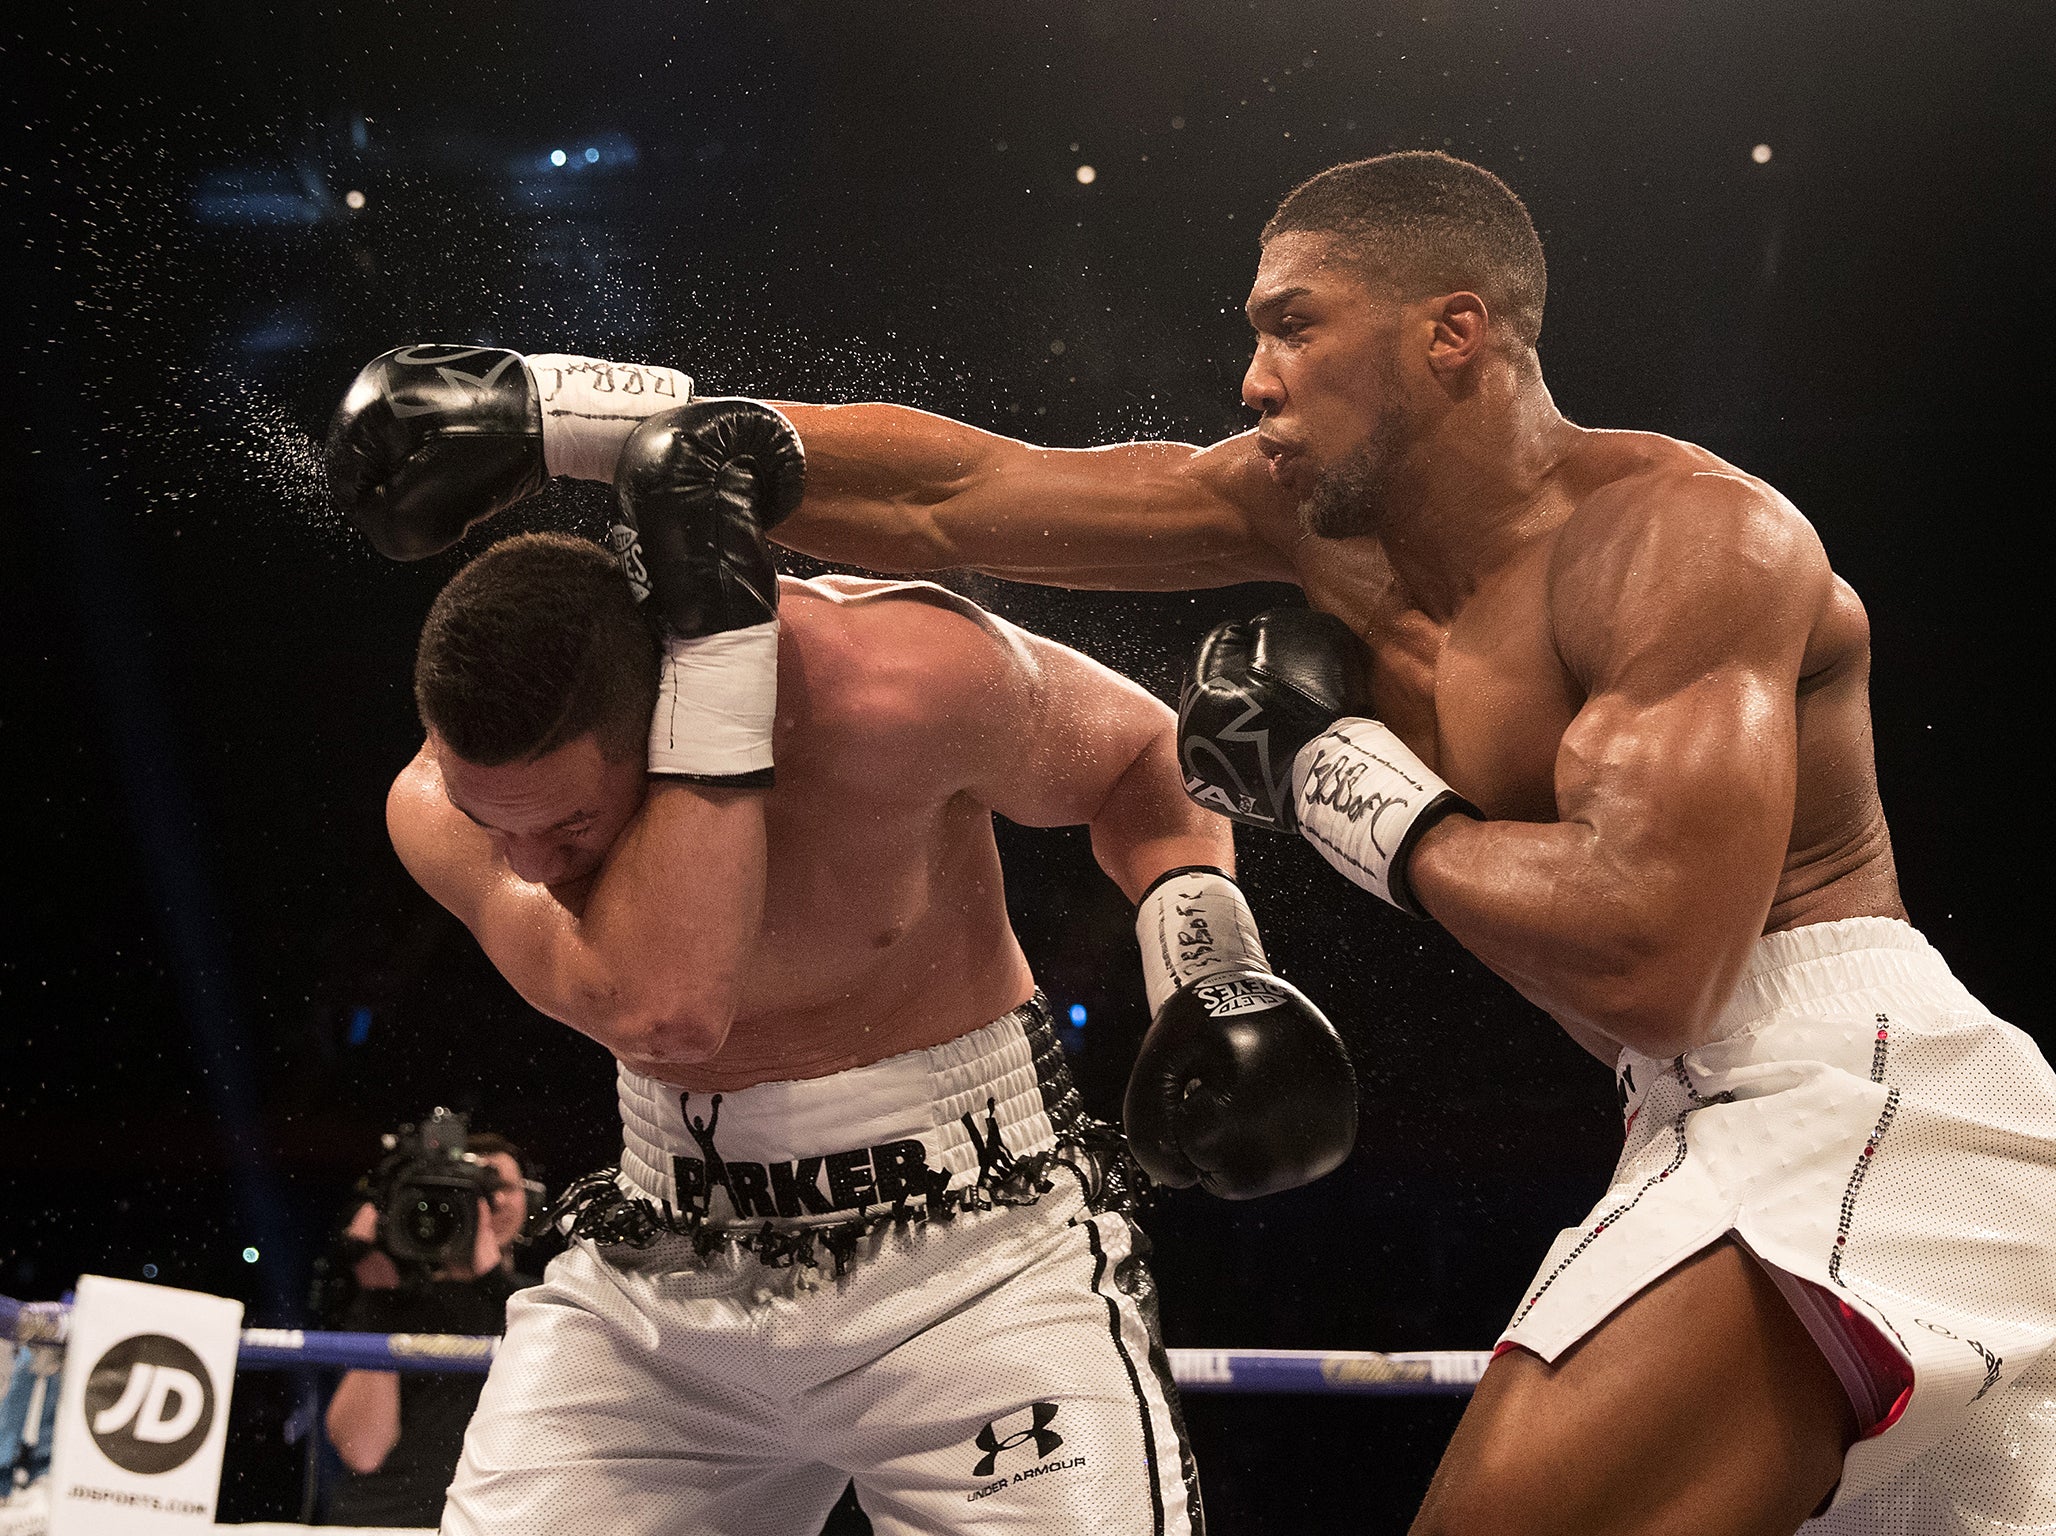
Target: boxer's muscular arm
[1686, 616]
[890, 488]
[649, 962]
[1049, 738]
[1101, 752]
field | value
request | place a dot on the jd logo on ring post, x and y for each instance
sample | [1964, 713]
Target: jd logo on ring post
[142, 1410]
[149, 1404]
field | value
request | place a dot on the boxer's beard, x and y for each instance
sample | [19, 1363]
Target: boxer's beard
[1349, 499]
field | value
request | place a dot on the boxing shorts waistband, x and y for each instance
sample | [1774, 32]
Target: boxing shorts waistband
[909, 1132]
[1827, 968]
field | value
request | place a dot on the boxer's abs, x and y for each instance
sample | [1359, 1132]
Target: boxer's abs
[885, 931]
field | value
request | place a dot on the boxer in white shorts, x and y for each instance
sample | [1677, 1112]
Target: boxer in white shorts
[1616, 739]
[861, 1229]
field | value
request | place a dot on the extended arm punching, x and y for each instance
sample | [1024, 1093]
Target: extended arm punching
[895, 489]
[431, 440]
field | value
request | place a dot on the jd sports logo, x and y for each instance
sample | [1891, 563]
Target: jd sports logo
[1046, 1439]
[149, 1403]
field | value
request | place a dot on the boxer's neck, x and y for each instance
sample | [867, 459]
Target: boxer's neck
[1474, 487]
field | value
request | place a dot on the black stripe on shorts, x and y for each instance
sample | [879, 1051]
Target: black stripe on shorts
[1149, 1445]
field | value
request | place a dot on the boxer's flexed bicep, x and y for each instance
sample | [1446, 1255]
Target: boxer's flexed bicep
[896, 489]
[1683, 610]
[1688, 634]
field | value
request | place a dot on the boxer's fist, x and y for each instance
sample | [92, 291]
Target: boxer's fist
[430, 440]
[1257, 691]
[696, 489]
[1242, 1087]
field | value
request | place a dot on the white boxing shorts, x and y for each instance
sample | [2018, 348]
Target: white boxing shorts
[916, 1275]
[1887, 1150]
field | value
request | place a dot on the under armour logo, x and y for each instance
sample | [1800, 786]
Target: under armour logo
[1046, 1439]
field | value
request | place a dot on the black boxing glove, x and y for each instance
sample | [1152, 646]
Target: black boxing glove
[431, 440]
[1275, 730]
[696, 490]
[1257, 691]
[1241, 1085]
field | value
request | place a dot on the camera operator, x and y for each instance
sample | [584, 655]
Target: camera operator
[399, 1434]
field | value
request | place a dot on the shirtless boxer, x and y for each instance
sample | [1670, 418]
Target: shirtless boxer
[1645, 691]
[860, 1228]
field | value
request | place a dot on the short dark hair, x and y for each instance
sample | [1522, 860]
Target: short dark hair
[486, 1143]
[532, 645]
[1428, 223]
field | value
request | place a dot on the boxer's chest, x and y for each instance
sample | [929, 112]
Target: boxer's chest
[868, 851]
[1484, 698]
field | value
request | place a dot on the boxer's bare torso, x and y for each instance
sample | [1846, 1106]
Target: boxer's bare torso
[1487, 696]
[906, 719]
[1485, 689]
[1631, 656]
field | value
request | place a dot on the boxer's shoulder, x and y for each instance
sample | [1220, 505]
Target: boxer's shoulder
[1629, 478]
[423, 825]
[883, 627]
[417, 791]
[1638, 496]
[895, 659]
[1659, 528]
[892, 599]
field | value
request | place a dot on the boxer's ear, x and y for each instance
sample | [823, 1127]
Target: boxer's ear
[1460, 323]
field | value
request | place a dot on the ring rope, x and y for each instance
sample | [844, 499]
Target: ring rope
[1416, 1373]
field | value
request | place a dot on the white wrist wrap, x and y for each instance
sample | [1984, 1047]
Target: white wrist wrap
[1362, 798]
[590, 407]
[1191, 925]
[717, 700]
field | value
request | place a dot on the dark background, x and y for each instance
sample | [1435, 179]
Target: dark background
[216, 985]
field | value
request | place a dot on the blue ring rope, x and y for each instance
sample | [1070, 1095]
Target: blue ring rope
[1418, 1373]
